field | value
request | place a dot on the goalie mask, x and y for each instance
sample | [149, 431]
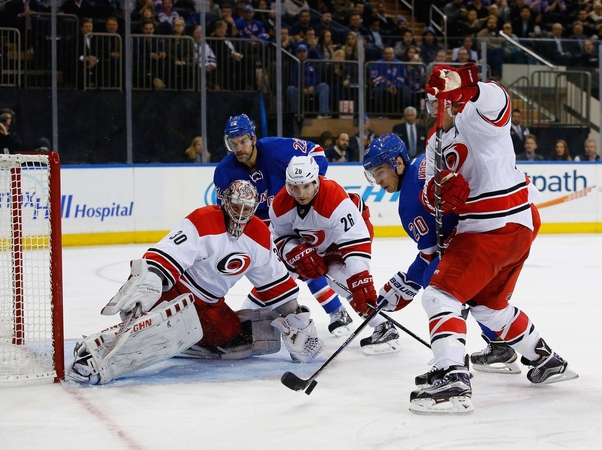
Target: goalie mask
[239, 203]
[302, 178]
[384, 150]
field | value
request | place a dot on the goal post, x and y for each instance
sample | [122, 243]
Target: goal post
[31, 285]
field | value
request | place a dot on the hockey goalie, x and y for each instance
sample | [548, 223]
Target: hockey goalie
[173, 302]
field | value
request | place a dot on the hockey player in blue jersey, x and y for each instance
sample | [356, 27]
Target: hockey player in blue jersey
[263, 162]
[387, 164]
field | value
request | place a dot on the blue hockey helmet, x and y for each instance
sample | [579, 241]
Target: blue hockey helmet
[238, 126]
[385, 149]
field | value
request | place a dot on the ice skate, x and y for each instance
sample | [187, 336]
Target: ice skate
[497, 357]
[549, 367]
[427, 377]
[340, 323]
[384, 339]
[449, 392]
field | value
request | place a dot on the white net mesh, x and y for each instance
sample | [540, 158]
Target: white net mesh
[26, 322]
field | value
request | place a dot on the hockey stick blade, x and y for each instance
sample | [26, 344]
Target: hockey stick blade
[293, 382]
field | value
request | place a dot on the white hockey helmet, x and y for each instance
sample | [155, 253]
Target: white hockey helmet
[239, 203]
[302, 170]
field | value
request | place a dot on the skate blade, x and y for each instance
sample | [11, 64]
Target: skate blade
[385, 348]
[345, 330]
[454, 406]
[504, 368]
[567, 375]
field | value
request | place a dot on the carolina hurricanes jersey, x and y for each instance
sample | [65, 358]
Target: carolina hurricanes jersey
[204, 257]
[331, 223]
[482, 152]
[416, 221]
[269, 173]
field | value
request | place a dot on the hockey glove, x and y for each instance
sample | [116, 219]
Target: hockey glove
[454, 192]
[143, 286]
[306, 262]
[362, 290]
[398, 292]
[458, 85]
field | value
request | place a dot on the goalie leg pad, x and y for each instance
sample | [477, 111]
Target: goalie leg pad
[256, 337]
[153, 337]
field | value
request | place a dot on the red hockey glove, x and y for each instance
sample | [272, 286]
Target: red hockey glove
[306, 262]
[362, 290]
[457, 85]
[454, 191]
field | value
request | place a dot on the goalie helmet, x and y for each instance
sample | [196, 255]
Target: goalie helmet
[239, 203]
[384, 150]
[302, 170]
[238, 126]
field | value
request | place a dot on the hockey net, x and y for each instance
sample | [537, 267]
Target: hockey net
[31, 310]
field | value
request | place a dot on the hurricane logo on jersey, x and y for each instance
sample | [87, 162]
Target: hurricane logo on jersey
[256, 176]
[234, 264]
[312, 237]
[455, 156]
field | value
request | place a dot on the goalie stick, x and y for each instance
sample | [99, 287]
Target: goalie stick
[124, 333]
[293, 382]
[386, 316]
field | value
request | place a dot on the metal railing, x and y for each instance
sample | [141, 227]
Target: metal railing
[438, 20]
[10, 57]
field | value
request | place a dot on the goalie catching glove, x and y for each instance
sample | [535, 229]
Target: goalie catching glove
[306, 263]
[459, 85]
[143, 286]
[299, 334]
[398, 292]
[453, 192]
[361, 286]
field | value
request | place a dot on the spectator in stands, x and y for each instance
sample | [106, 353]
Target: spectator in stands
[111, 53]
[89, 60]
[471, 25]
[389, 90]
[577, 38]
[194, 153]
[350, 47]
[554, 11]
[524, 26]
[343, 9]
[386, 22]
[312, 44]
[326, 140]
[518, 132]
[429, 45]
[232, 30]
[529, 153]
[557, 52]
[407, 40]
[477, 6]
[456, 12]
[590, 56]
[374, 36]
[149, 58]
[228, 69]
[340, 152]
[326, 47]
[561, 151]
[288, 43]
[191, 12]
[180, 57]
[15, 16]
[414, 76]
[530, 147]
[355, 25]
[249, 28]
[589, 152]
[79, 8]
[312, 86]
[440, 58]
[463, 57]
[340, 77]
[166, 14]
[299, 29]
[595, 15]
[411, 132]
[365, 12]
[512, 54]
[515, 8]
[495, 52]
[136, 14]
[503, 11]
[326, 24]
[148, 13]
[10, 141]
[467, 44]
[588, 27]
[397, 34]
[356, 140]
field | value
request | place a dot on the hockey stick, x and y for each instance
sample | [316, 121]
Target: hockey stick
[292, 381]
[438, 169]
[124, 333]
[386, 316]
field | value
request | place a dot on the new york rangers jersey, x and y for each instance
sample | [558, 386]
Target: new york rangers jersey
[482, 151]
[418, 222]
[203, 257]
[268, 175]
[331, 223]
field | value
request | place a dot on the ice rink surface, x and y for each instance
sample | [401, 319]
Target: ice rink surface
[359, 403]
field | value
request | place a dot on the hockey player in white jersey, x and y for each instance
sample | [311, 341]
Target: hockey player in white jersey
[318, 229]
[173, 303]
[497, 225]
